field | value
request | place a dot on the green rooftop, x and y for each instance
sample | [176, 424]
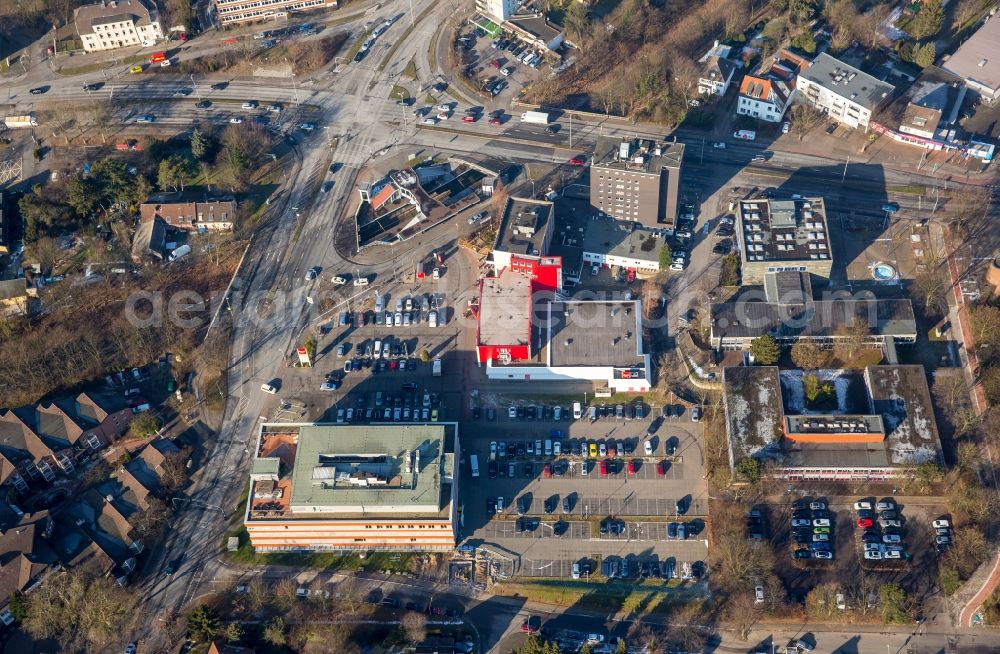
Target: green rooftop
[372, 469]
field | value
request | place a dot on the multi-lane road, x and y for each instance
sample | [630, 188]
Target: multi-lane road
[356, 120]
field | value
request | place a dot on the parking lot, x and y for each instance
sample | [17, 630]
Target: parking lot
[499, 67]
[915, 570]
[554, 514]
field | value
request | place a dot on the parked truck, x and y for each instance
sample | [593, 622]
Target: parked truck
[536, 117]
[20, 121]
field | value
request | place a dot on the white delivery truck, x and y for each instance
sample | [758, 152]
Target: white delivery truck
[745, 134]
[436, 371]
[20, 121]
[536, 117]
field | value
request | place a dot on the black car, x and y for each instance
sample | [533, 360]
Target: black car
[529, 470]
[551, 503]
[38, 90]
[491, 415]
[492, 468]
[477, 413]
[722, 247]
[218, 86]
[567, 504]
[520, 413]
[412, 606]
[531, 410]
[204, 104]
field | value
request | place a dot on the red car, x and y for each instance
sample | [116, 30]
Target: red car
[661, 468]
[865, 523]
[495, 63]
[631, 467]
[393, 364]
[531, 624]
[604, 467]
[577, 161]
[495, 122]
[468, 119]
[547, 470]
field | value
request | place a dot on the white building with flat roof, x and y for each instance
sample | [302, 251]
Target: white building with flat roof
[841, 91]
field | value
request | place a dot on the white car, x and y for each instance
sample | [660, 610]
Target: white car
[941, 523]
[677, 267]
[785, 127]
[307, 127]
[886, 505]
[444, 115]
[493, 447]
[821, 522]
[889, 522]
[235, 121]
[500, 504]
[339, 281]
[436, 273]
[891, 538]
[862, 505]
[430, 120]
[249, 105]
[268, 388]
[648, 448]
[758, 595]
[873, 556]
[720, 145]
[432, 319]
[801, 522]
[444, 107]
[165, 63]
[823, 555]
[399, 318]
[512, 412]
[817, 506]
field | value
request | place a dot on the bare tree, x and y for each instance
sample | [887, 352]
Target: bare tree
[415, 626]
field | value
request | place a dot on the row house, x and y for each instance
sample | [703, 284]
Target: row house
[37, 442]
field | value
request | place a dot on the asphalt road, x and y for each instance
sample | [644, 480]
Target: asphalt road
[357, 121]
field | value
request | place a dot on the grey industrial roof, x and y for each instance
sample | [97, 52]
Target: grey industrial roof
[787, 287]
[784, 230]
[523, 227]
[749, 319]
[326, 455]
[753, 409]
[847, 81]
[608, 149]
[618, 238]
[835, 456]
[978, 59]
[595, 333]
[505, 309]
[900, 395]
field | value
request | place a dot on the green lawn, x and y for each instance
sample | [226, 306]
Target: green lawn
[633, 597]
[410, 70]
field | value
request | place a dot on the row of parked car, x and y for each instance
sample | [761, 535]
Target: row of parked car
[520, 51]
[880, 525]
[812, 530]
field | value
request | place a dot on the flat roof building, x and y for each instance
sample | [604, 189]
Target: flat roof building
[841, 91]
[789, 313]
[637, 180]
[317, 487]
[525, 231]
[766, 420]
[977, 61]
[776, 235]
[608, 242]
[240, 11]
